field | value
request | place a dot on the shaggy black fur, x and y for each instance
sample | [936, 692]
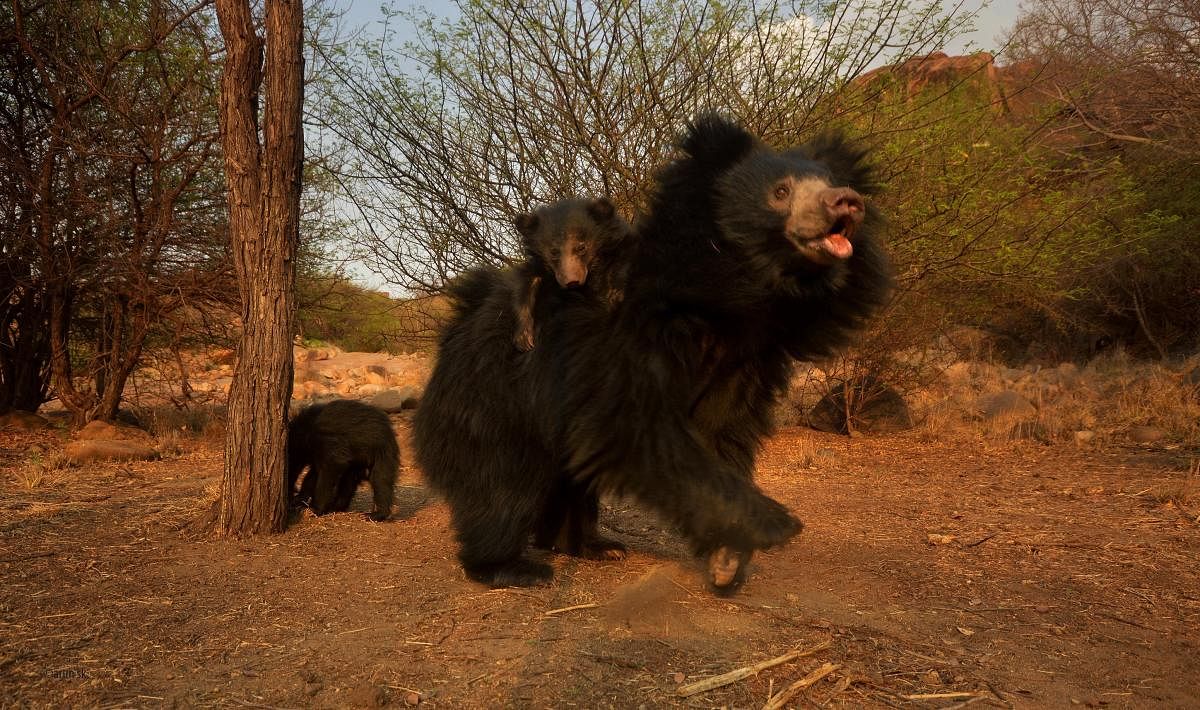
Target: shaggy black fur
[343, 443]
[569, 244]
[667, 396]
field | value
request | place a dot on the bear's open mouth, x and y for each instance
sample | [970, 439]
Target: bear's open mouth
[835, 244]
[844, 226]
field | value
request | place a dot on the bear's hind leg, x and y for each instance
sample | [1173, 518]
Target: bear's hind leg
[347, 486]
[383, 489]
[569, 524]
[308, 488]
[492, 539]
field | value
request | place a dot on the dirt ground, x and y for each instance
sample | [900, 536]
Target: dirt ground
[1055, 577]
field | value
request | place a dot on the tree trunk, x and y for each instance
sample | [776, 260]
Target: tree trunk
[25, 354]
[264, 214]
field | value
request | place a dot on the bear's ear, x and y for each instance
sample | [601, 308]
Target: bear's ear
[601, 209]
[845, 160]
[716, 141]
[527, 223]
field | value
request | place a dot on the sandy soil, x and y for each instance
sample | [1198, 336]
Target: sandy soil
[1054, 577]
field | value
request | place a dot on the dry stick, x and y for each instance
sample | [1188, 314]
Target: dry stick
[734, 676]
[981, 540]
[941, 696]
[790, 692]
[969, 701]
[565, 609]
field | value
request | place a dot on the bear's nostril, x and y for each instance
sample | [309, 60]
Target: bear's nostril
[842, 201]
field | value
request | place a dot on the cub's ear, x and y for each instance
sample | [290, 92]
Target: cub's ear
[527, 223]
[601, 209]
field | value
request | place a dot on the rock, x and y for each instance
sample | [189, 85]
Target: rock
[958, 373]
[369, 389]
[367, 695]
[107, 450]
[879, 409]
[397, 399]
[224, 356]
[374, 378]
[1146, 434]
[1068, 374]
[1006, 403]
[1012, 375]
[98, 430]
[1084, 437]
[309, 390]
[18, 420]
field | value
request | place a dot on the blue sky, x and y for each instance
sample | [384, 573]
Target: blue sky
[997, 17]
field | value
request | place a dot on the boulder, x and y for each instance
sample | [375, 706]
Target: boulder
[374, 378]
[396, 399]
[88, 450]
[223, 356]
[104, 431]
[876, 408]
[1146, 434]
[1006, 403]
[18, 420]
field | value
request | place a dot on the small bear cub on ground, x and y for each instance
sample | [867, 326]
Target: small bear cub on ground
[342, 443]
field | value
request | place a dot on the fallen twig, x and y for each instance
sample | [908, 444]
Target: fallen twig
[790, 692]
[942, 696]
[967, 702]
[1000, 696]
[565, 609]
[734, 676]
[1123, 620]
[981, 540]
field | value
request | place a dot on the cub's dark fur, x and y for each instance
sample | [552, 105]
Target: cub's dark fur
[569, 244]
[747, 259]
[343, 443]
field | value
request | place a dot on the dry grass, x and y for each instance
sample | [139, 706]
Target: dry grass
[1107, 397]
[40, 470]
[162, 419]
[1184, 494]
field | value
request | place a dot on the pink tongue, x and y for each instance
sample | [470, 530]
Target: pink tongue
[837, 246]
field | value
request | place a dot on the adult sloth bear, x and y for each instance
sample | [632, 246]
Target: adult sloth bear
[747, 259]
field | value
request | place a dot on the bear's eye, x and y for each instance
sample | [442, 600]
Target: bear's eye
[782, 191]
[554, 253]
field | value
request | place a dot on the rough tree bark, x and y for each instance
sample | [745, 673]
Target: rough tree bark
[264, 214]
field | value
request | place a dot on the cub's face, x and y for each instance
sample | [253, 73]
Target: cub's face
[793, 207]
[569, 236]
